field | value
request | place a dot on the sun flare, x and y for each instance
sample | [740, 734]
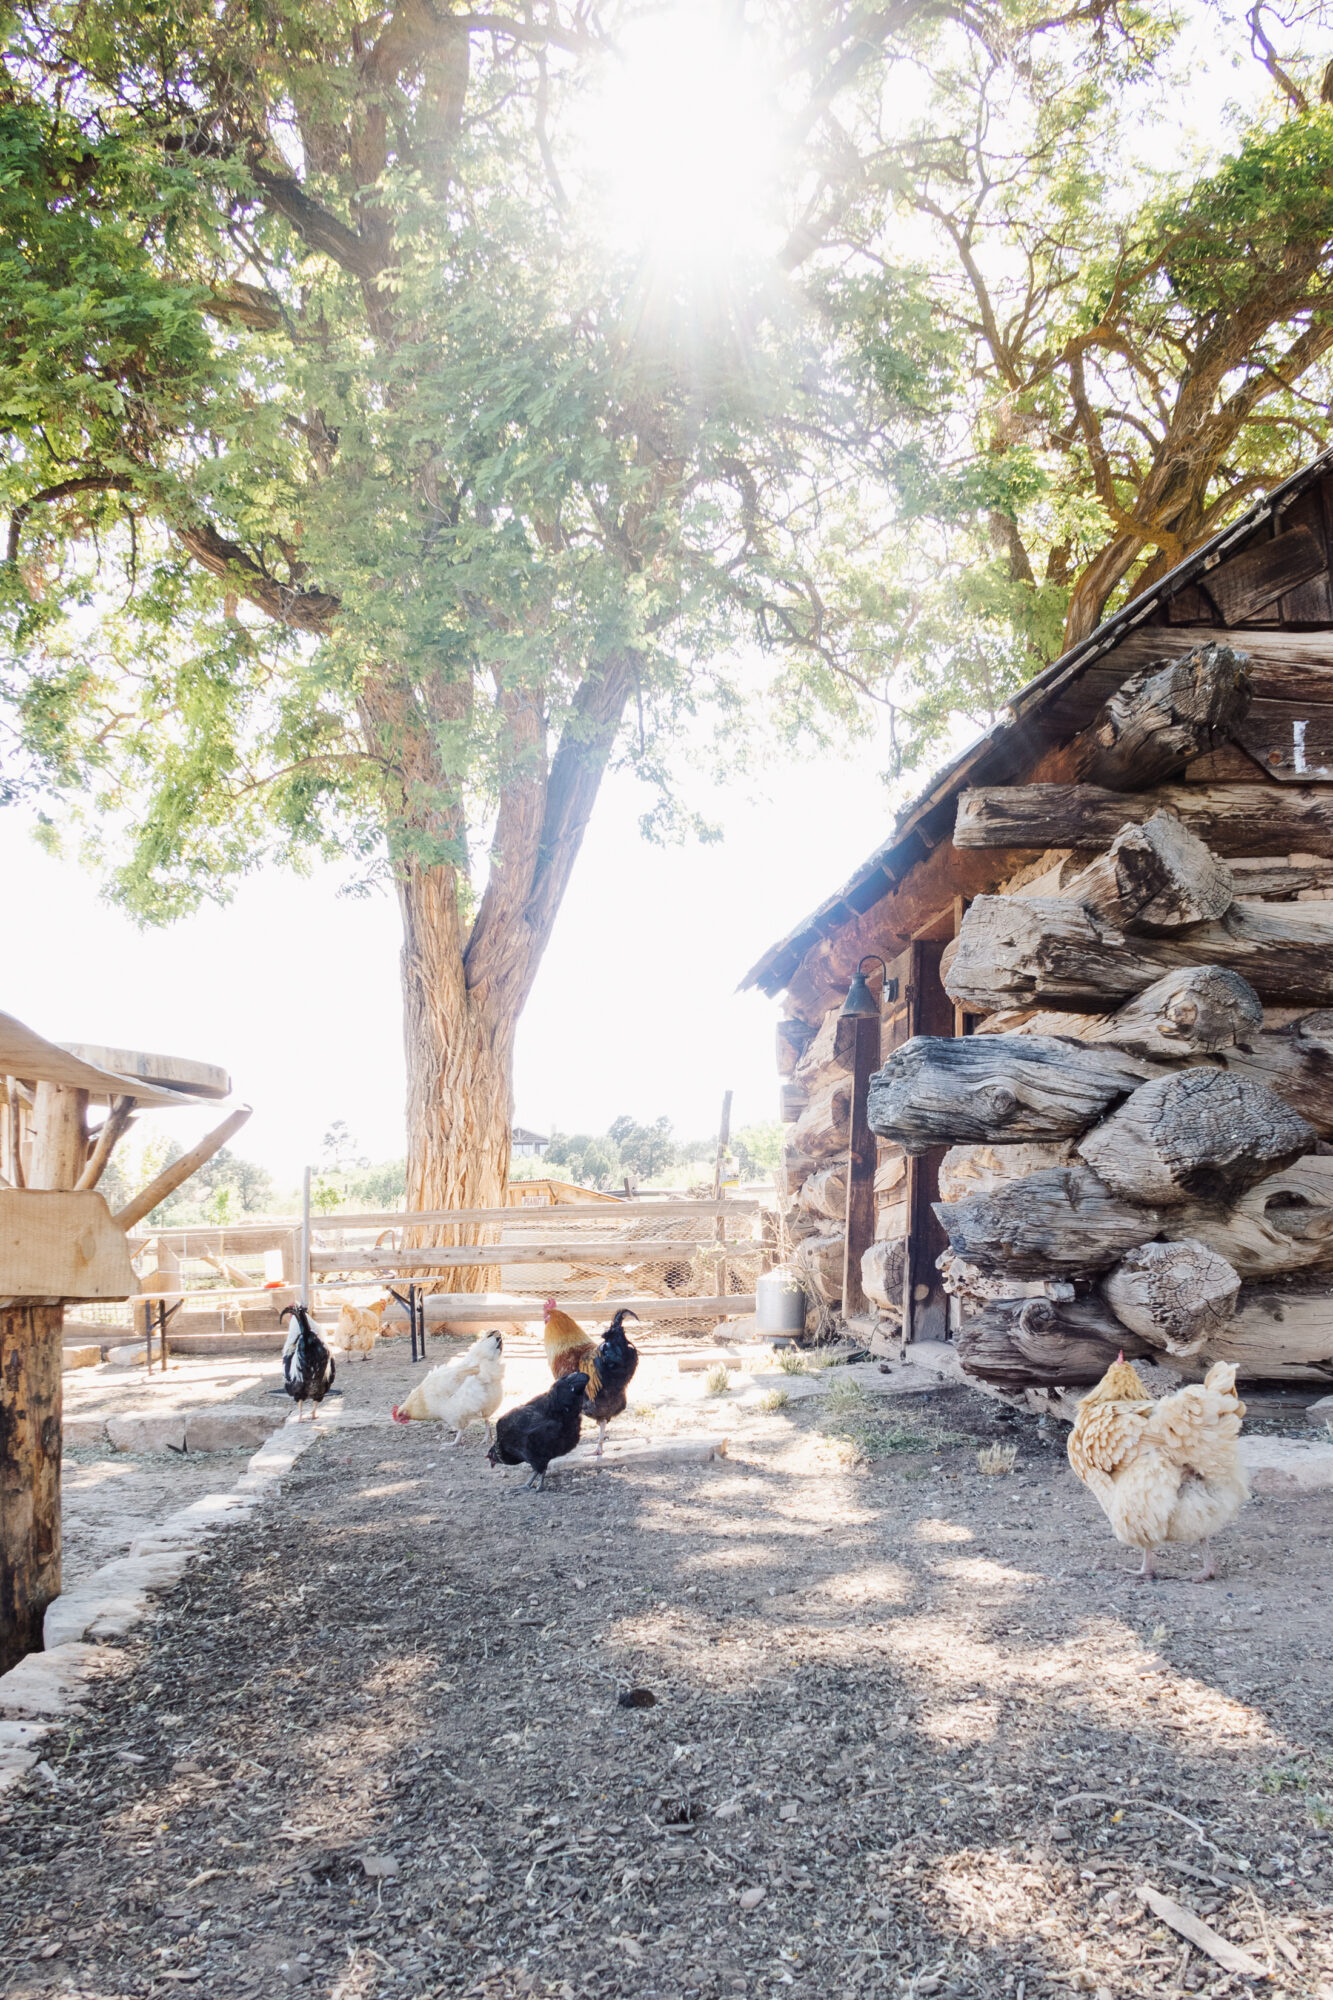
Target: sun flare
[684, 138]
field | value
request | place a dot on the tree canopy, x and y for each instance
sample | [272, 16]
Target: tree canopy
[368, 489]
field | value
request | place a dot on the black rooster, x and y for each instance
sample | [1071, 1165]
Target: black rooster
[610, 1373]
[541, 1430]
[307, 1365]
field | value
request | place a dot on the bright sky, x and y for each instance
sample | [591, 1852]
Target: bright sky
[296, 990]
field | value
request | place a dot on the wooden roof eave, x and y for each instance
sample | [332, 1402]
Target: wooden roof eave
[1005, 740]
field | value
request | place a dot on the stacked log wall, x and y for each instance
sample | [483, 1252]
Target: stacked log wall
[1206, 1236]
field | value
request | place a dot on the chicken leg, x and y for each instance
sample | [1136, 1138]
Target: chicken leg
[1148, 1570]
[1209, 1570]
[601, 1436]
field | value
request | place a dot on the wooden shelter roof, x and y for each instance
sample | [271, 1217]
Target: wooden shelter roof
[1052, 707]
[26, 1054]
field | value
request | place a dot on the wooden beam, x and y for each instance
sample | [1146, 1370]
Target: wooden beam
[175, 1175]
[60, 1136]
[996, 1089]
[1261, 573]
[469, 1310]
[1196, 1134]
[1230, 819]
[612, 1213]
[862, 1158]
[1016, 951]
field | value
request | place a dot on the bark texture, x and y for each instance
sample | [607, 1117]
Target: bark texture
[30, 1410]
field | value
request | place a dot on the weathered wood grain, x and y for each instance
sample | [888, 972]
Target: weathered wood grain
[936, 1091]
[30, 1410]
[1013, 951]
[1280, 1331]
[969, 1170]
[1154, 876]
[1261, 573]
[1254, 820]
[1196, 1011]
[883, 1269]
[1045, 1343]
[1198, 1134]
[1282, 1224]
[1293, 740]
[1161, 716]
[1174, 1295]
[1061, 1220]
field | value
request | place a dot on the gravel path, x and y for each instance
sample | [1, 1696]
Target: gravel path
[915, 1731]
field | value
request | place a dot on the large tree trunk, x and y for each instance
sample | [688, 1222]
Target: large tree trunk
[464, 989]
[459, 1091]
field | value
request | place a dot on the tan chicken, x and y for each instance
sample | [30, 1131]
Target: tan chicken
[359, 1327]
[1162, 1472]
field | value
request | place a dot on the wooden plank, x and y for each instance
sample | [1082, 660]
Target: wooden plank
[1242, 587]
[461, 1256]
[859, 1215]
[174, 1073]
[1017, 952]
[1292, 740]
[180, 1170]
[611, 1213]
[468, 1310]
[237, 1240]
[24, 1053]
[58, 1244]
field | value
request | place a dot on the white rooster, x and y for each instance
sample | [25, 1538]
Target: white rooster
[464, 1391]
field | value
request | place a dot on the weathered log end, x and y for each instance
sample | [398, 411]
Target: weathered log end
[1173, 1295]
[1195, 1011]
[1045, 1343]
[1162, 717]
[883, 1269]
[1062, 1220]
[937, 1091]
[1154, 876]
[1200, 1134]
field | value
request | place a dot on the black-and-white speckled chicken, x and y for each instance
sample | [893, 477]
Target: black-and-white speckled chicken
[307, 1366]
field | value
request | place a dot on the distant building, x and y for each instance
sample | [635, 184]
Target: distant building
[528, 1145]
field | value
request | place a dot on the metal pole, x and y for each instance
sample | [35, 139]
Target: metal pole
[305, 1240]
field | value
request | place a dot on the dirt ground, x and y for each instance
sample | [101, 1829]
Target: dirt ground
[915, 1731]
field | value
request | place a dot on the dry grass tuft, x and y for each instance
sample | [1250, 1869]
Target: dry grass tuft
[773, 1400]
[718, 1380]
[997, 1459]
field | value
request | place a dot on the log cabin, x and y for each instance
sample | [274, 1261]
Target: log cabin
[1093, 1109]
